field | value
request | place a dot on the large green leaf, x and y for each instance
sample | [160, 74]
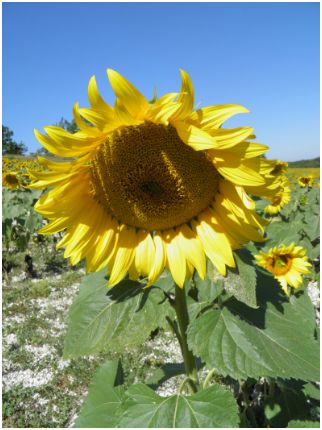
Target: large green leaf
[277, 339]
[283, 232]
[303, 424]
[100, 408]
[112, 319]
[208, 289]
[213, 407]
[241, 282]
[312, 226]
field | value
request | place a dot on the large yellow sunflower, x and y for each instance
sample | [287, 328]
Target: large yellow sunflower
[151, 185]
[286, 263]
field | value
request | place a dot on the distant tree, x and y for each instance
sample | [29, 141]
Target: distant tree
[69, 126]
[9, 146]
[313, 162]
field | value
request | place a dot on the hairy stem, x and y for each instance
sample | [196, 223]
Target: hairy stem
[180, 306]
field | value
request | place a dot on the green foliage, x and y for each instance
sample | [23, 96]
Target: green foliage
[303, 424]
[243, 342]
[287, 402]
[112, 319]
[313, 162]
[19, 220]
[69, 126]
[214, 407]
[9, 146]
[109, 405]
[241, 282]
[100, 408]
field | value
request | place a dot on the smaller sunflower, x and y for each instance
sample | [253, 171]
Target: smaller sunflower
[282, 198]
[280, 168]
[286, 263]
[305, 181]
[11, 180]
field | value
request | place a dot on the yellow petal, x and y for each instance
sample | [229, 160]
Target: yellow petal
[160, 259]
[240, 175]
[55, 226]
[81, 124]
[198, 139]
[175, 257]
[144, 253]
[128, 96]
[212, 117]
[186, 97]
[55, 165]
[214, 241]
[162, 114]
[48, 179]
[124, 255]
[103, 251]
[96, 100]
[229, 137]
[99, 120]
[191, 246]
[123, 115]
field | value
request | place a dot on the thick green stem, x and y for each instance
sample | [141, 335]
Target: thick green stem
[180, 306]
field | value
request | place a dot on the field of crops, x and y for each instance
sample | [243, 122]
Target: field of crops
[295, 172]
[45, 387]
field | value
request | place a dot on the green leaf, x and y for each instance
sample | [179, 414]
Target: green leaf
[312, 226]
[112, 319]
[303, 424]
[312, 391]
[277, 339]
[287, 402]
[213, 407]
[283, 233]
[208, 289]
[241, 282]
[100, 408]
[165, 372]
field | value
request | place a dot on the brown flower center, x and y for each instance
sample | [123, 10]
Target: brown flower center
[279, 265]
[148, 178]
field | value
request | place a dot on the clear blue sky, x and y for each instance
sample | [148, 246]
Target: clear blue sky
[262, 55]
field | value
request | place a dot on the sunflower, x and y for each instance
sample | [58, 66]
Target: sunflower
[151, 185]
[11, 180]
[282, 198]
[272, 171]
[280, 167]
[305, 181]
[286, 263]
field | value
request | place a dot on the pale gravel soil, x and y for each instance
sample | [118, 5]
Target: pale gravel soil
[41, 364]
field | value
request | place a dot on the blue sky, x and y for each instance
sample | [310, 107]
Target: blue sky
[262, 55]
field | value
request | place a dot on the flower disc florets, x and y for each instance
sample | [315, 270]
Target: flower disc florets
[146, 177]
